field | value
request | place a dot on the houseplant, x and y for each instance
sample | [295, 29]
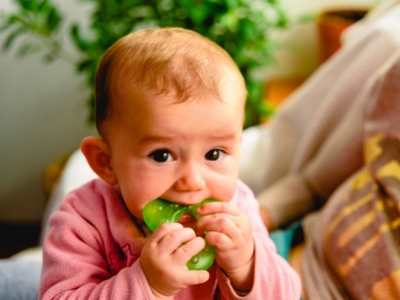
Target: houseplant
[242, 27]
[331, 24]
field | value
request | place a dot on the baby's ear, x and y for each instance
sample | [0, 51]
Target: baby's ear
[97, 154]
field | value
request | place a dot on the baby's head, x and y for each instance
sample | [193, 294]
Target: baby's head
[174, 62]
[169, 109]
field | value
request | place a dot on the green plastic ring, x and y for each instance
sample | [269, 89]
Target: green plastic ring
[160, 211]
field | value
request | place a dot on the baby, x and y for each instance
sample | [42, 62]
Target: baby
[169, 110]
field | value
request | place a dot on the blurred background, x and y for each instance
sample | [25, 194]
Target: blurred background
[43, 112]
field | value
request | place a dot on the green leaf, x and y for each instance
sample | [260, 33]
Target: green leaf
[42, 5]
[84, 64]
[81, 43]
[53, 20]
[12, 36]
[282, 19]
[229, 21]
[8, 22]
[28, 49]
[248, 29]
[199, 14]
[232, 4]
[236, 25]
[5, 26]
[13, 19]
[266, 108]
[28, 4]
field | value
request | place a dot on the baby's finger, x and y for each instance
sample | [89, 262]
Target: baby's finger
[218, 207]
[191, 277]
[185, 252]
[165, 228]
[219, 240]
[175, 238]
[219, 223]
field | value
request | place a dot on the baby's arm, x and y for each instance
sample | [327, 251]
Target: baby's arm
[229, 231]
[82, 261]
[271, 276]
[75, 267]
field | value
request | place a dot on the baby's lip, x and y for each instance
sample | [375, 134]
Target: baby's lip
[188, 221]
[186, 218]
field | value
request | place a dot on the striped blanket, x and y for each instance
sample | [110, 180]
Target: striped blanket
[353, 243]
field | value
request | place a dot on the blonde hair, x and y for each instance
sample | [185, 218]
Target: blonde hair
[162, 60]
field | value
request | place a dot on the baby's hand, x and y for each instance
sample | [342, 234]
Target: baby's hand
[229, 231]
[163, 260]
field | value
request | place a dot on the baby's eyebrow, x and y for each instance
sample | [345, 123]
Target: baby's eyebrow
[166, 139]
[156, 138]
[223, 137]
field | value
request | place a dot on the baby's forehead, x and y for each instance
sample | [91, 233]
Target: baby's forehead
[180, 83]
[229, 89]
[131, 111]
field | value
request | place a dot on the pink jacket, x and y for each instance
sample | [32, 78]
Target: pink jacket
[93, 250]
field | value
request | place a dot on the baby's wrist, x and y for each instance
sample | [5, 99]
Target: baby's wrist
[163, 298]
[159, 296]
[242, 278]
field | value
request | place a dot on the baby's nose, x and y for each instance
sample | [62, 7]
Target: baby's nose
[191, 179]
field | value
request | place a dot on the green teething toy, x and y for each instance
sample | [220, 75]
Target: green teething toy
[160, 211]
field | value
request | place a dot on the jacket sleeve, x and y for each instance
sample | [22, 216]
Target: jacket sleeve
[274, 278]
[75, 266]
[307, 189]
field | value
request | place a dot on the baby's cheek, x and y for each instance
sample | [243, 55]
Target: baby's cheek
[229, 190]
[135, 206]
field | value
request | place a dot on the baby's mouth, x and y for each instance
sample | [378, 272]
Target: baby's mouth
[187, 218]
[160, 211]
[188, 221]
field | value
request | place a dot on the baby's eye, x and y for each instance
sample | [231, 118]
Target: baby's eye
[214, 154]
[161, 156]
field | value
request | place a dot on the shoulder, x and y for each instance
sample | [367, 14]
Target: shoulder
[90, 195]
[93, 215]
[87, 206]
[94, 188]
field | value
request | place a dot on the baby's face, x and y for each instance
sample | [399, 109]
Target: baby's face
[183, 152]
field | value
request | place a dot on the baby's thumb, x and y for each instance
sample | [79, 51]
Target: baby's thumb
[196, 277]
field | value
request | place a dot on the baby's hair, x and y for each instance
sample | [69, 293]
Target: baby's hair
[172, 61]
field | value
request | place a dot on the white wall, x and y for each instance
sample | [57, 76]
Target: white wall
[42, 117]
[43, 112]
[299, 54]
